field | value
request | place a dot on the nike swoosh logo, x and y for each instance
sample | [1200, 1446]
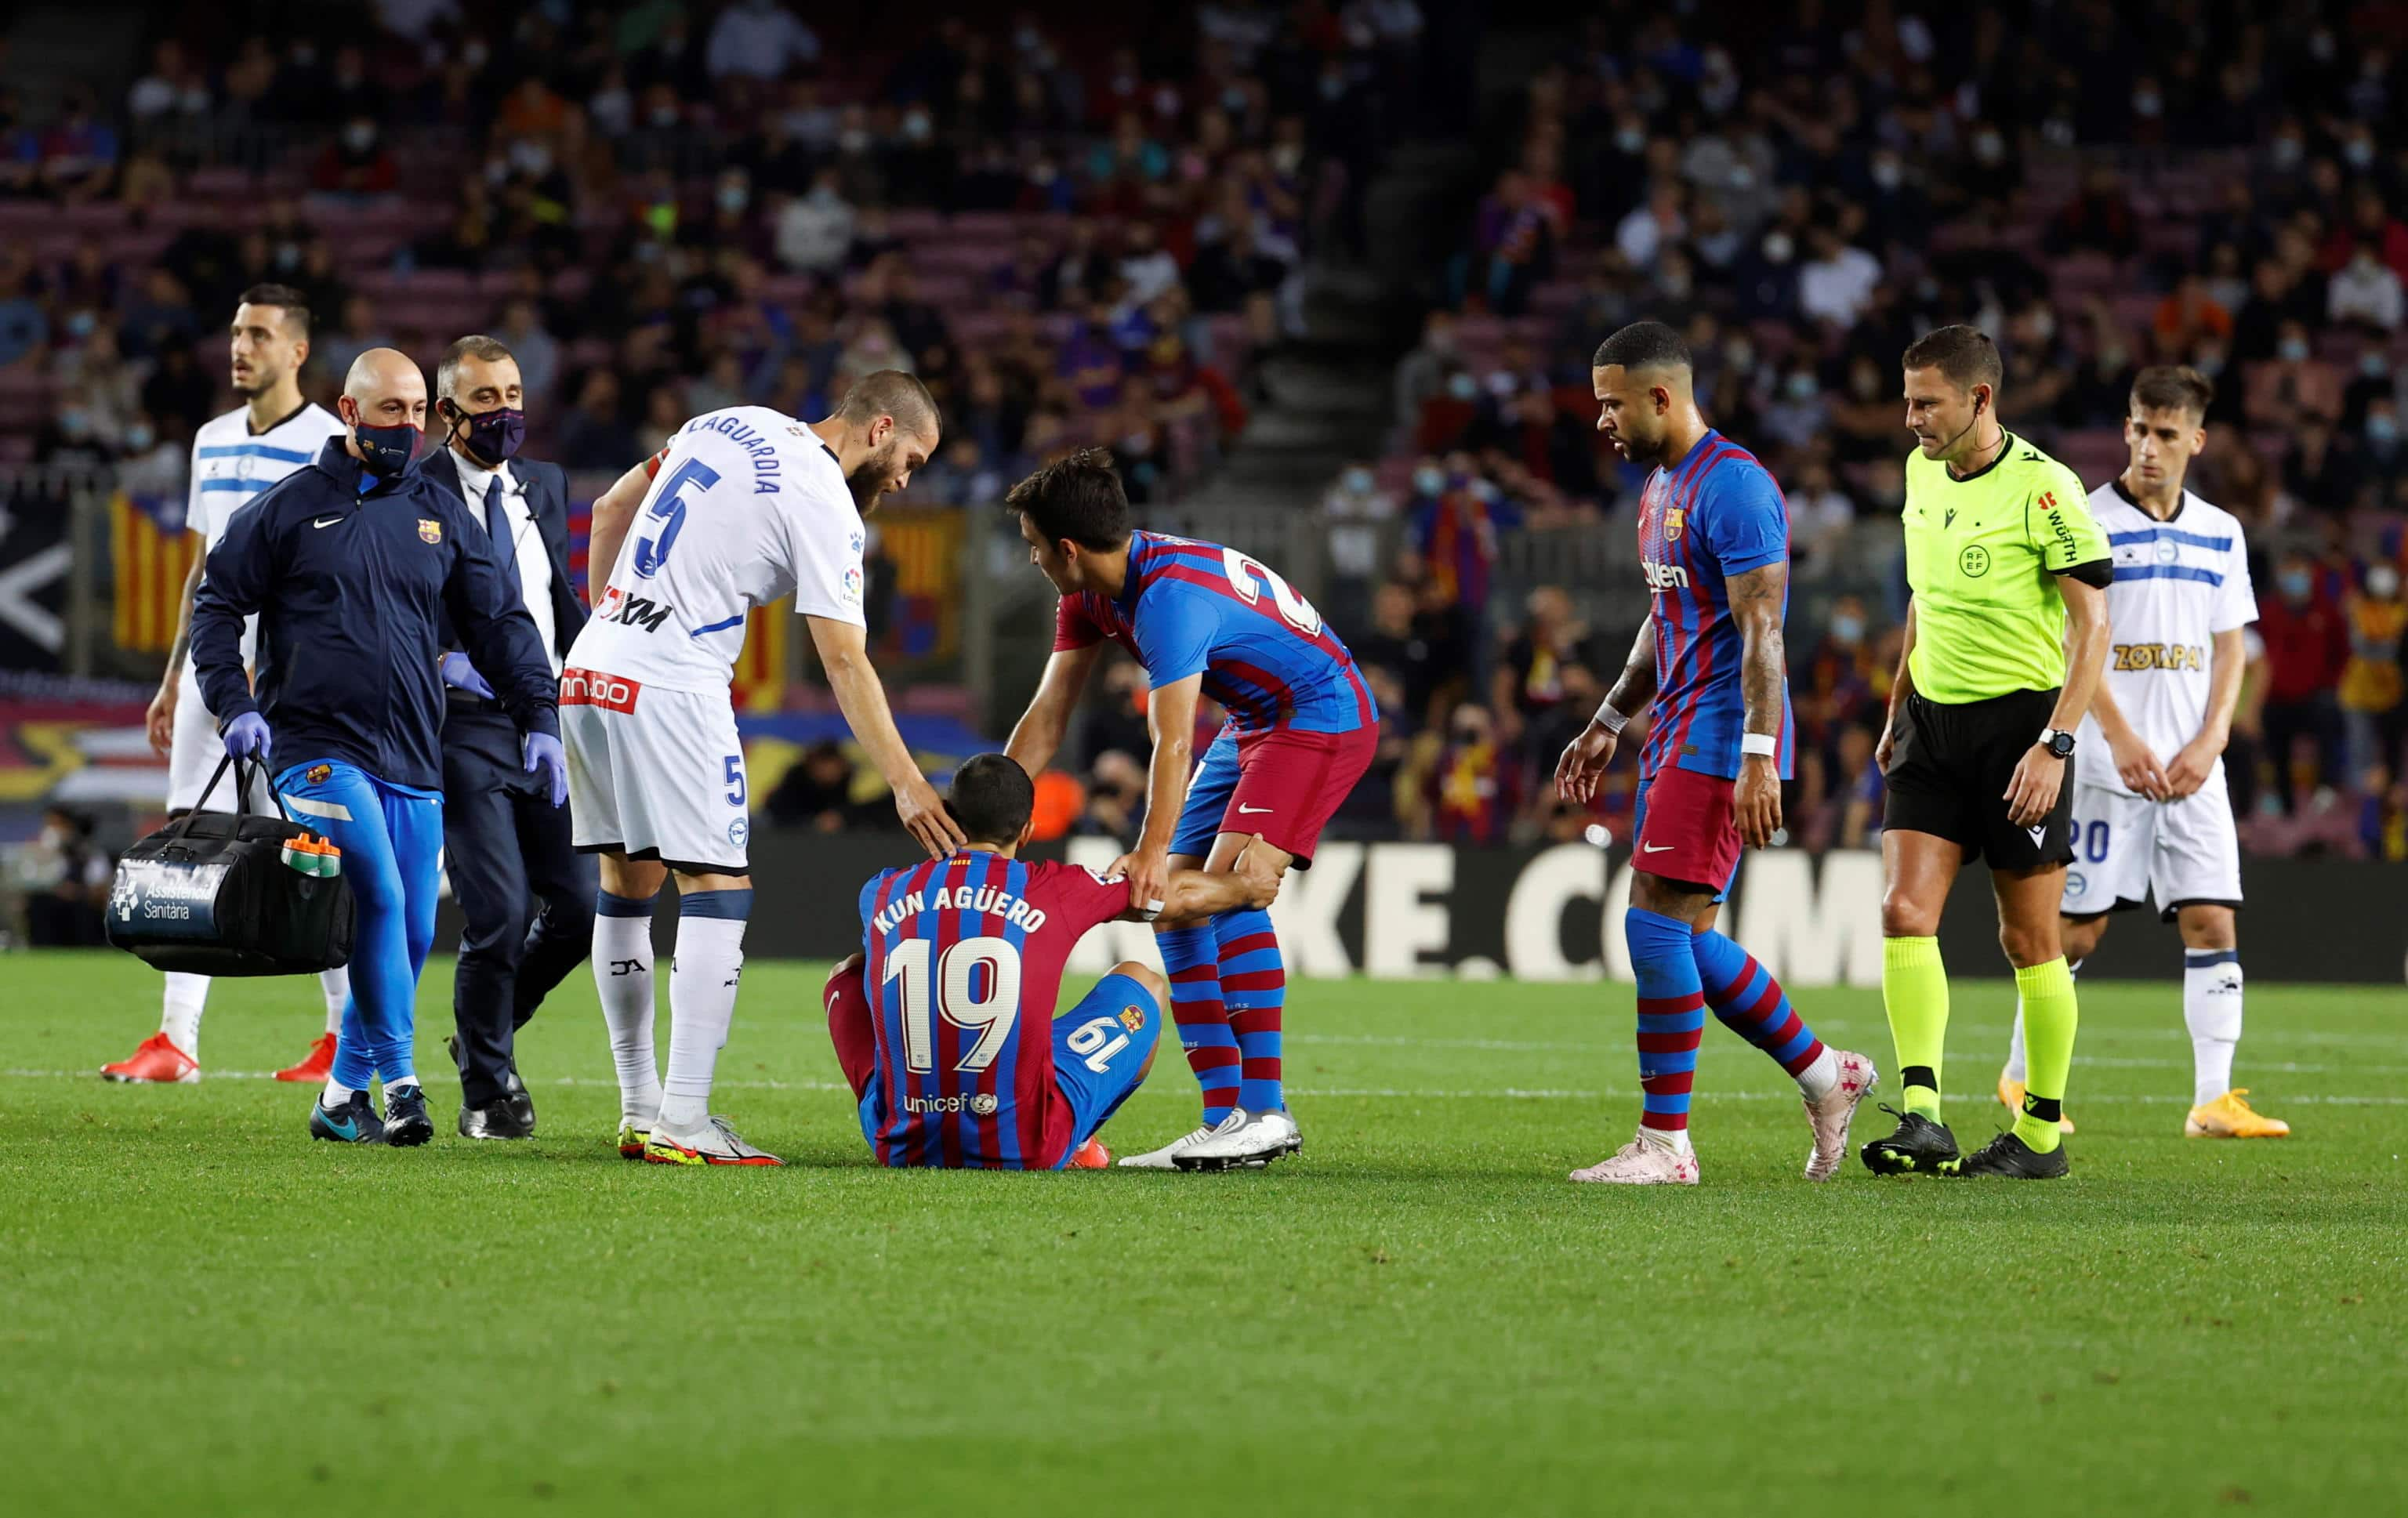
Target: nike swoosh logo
[1249, 811]
[323, 522]
[1656, 848]
[346, 1129]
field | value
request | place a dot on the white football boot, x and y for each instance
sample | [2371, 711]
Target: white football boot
[1247, 1140]
[1830, 1116]
[1167, 1156]
[1642, 1163]
[714, 1141]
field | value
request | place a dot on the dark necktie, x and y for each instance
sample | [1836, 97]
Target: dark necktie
[498, 526]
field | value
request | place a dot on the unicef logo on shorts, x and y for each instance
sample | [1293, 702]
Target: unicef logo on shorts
[738, 831]
[1974, 560]
[983, 1103]
[2074, 883]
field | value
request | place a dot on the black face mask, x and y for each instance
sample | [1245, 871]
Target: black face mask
[493, 436]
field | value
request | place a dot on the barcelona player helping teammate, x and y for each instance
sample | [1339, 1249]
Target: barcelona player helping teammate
[959, 1060]
[1302, 727]
[1713, 536]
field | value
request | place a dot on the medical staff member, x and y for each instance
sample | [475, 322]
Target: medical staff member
[351, 564]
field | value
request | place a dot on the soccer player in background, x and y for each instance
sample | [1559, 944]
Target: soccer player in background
[2146, 826]
[235, 457]
[743, 507]
[351, 564]
[965, 952]
[2001, 558]
[1713, 539]
[1302, 727]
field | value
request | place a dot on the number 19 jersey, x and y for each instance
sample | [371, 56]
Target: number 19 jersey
[962, 965]
[746, 505]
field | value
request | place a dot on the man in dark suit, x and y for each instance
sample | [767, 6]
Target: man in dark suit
[527, 894]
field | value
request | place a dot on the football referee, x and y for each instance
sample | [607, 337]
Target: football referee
[2001, 553]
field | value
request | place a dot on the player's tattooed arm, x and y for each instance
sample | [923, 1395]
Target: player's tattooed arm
[1757, 601]
[1038, 735]
[159, 722]
[614, 512]
[1637, 686]
[1585, 758]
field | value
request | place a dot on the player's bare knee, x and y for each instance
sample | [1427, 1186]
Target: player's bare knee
[849, 964]
[2208, 928]
[2079, 936]
[2026, 944]
[1144, 975]
[1903, 917]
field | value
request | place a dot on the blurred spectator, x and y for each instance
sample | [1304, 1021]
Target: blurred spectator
[1529, 683]
[1836, 281]
[592, 435]
[2307, 649]
[1472, 791]
[816, 792]
[2373, 712]
[64, 877]
[2365, 291]
[357, 164]
[759, 39]
[815, 232]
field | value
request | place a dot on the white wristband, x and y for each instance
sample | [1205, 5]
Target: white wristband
[1763, 743]
[1609, 719]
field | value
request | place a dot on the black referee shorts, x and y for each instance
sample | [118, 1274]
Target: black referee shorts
[1950, 773]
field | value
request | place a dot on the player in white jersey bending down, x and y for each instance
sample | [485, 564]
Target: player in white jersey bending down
[235, 458]
[2151, 815]
[743, 507]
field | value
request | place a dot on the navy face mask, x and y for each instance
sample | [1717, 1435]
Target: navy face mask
[493, 436]
[387, 451]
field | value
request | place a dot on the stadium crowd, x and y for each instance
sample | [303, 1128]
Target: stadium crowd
[1802, 200]
[664, 208]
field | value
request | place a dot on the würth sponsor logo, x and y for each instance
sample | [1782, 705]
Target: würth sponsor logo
[592, 688]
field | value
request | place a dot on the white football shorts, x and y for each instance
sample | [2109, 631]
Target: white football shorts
[2128, 849]
[655, 773]
[193, 752]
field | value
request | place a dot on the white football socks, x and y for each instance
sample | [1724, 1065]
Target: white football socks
[1674, 1140]
[622, 975]
[2211, 994]
[1816, 1081]
[702, 1000]
[179, 1013]
[336, 984]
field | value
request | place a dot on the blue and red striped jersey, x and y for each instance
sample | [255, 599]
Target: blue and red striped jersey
[1716, 513]
[964, 964]
[1193, 608]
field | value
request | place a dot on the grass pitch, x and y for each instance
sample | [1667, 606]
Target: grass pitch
[208, 1313]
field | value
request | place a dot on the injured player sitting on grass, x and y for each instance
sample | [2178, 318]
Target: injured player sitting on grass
[959, 1061]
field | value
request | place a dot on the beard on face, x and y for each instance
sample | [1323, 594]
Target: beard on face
[872, 475]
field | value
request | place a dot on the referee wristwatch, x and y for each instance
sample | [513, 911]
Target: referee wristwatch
[2058, 741]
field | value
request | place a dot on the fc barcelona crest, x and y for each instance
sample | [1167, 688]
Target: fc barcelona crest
[430, 530]
[1132, 1018]
[1675, 518]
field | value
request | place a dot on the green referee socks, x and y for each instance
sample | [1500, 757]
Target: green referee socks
[2050, 1015]
[1914, 989]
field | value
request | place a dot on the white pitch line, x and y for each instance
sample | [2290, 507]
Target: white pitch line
[1341, 1092]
